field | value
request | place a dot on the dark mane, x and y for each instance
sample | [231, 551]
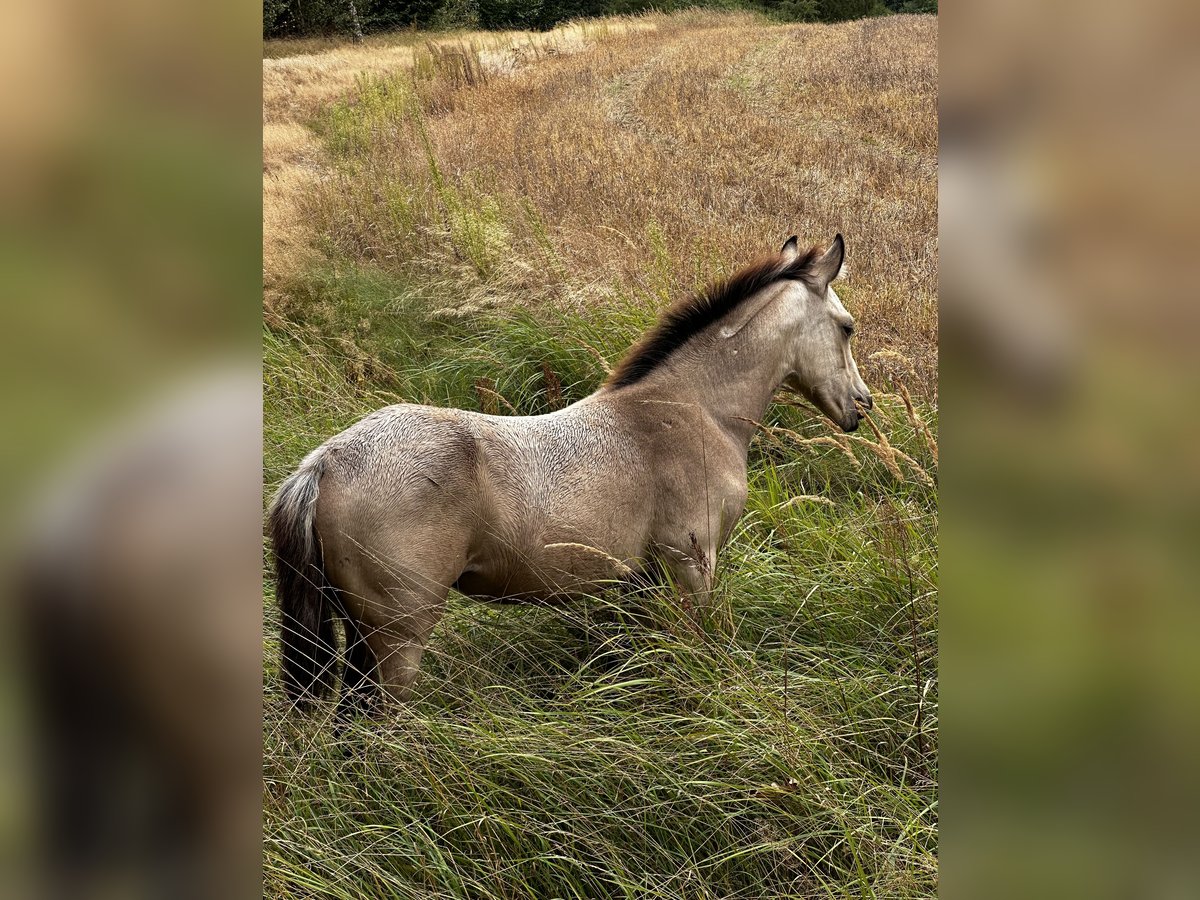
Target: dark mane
[686, 318]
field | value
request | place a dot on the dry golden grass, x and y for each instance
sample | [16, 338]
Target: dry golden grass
[657, 155]
[301, 78]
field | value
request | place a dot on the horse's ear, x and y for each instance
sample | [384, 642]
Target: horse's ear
[791, 248]
[828, 265]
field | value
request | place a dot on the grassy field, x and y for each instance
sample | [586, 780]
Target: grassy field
[487, 221]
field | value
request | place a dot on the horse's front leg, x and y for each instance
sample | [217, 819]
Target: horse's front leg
[691, 567]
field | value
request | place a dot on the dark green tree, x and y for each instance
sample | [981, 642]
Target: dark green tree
[791, 10]
[299, 17]
[841, 10]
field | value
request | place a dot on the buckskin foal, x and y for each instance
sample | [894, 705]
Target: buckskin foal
[380, 522]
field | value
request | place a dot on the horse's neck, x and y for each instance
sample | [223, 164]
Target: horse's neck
[731, 379]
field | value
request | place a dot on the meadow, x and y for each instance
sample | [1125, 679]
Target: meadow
[488, 221]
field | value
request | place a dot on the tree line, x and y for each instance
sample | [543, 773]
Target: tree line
[294, 18]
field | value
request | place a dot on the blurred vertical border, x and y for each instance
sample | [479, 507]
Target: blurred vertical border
[1071, 476]
[130, 249]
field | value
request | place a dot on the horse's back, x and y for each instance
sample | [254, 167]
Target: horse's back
[397, 446]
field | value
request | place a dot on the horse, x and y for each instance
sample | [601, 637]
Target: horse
[380, 522]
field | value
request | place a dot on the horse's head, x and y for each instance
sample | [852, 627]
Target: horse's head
[822, 367]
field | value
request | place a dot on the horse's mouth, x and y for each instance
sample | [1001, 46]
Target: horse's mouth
[856, 413]
[846, 418]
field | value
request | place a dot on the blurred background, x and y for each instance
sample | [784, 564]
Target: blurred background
[1068, 298]
[130, 685]
[130, 680]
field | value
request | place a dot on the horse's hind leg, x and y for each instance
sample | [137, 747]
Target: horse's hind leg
[396, 621]
[360, 679]
[398, 650]
[393, 564]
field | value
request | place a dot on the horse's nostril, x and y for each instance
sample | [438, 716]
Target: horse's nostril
[869, 403]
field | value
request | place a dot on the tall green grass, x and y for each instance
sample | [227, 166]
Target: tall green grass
[787, 750]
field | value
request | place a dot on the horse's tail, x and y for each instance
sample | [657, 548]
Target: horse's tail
[309, 651]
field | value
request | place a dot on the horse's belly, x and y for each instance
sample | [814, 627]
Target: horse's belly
[553, 571]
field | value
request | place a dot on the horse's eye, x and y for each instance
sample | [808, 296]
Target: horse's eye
[848, 330]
